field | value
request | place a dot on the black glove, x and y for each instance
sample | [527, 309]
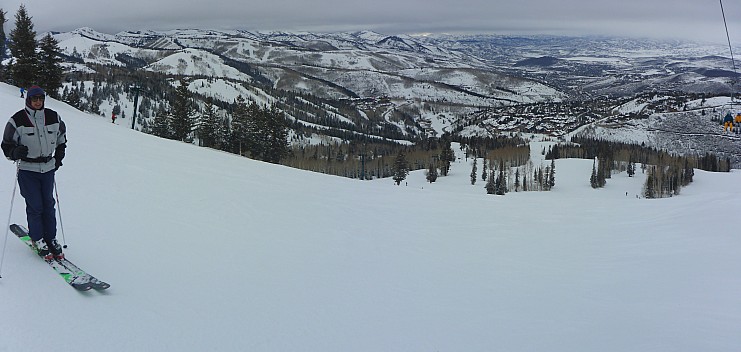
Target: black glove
[58, 156]
[19, 152]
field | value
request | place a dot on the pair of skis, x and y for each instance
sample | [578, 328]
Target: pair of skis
[71, 273]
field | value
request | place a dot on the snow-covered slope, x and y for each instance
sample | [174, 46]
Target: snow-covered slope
[193, 62]
[208, 251]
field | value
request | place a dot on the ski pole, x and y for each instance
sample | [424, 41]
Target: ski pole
[59, 209]
[7, 226]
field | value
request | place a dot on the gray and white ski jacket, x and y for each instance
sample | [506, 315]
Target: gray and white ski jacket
[42, 131]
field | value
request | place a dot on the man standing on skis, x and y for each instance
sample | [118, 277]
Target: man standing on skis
[36, 138]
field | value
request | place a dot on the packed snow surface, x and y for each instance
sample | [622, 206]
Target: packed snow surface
[208, 251]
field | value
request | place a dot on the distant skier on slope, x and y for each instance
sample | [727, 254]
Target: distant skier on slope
[36, 138]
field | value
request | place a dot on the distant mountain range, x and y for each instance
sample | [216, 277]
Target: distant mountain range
[471, 70]
[406, 87]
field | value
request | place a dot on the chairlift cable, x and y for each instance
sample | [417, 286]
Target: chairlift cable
[730, 47]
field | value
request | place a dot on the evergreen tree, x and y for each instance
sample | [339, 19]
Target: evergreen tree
[524, 182]
[161, 126]
[552, 175]
[593, 179]
[553, 153]
[263, 132]
[485, 170]
[50, 67]
[491, 187]
[649, 189]
[222, 134]
[688, 173]
[73, 99]
[257, 129]
[210, 123]
[517, 180]
[432, 173]
[239, 138]
[675, 187]
[182, 113]
[631, 168]
[94, 106]
[602, 171]
[447, 156]
[401, 168]
[23, 49]
[256, 132]
[474, 172]
[273, 136]
[3, 39]
[501, 182]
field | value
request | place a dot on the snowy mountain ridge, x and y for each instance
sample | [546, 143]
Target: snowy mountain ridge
[331, 56]
[427, 85]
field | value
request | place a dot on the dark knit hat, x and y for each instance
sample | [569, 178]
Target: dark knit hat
[34, 91]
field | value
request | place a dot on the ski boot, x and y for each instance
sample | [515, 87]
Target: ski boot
[42, 249]
[55, 249]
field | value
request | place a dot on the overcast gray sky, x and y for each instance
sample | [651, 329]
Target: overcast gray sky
[693, 19]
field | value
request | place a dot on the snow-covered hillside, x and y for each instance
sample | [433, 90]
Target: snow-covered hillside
[403, 87]
[695, 130]
[208, 251]
[365, 64]
[193, 62]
